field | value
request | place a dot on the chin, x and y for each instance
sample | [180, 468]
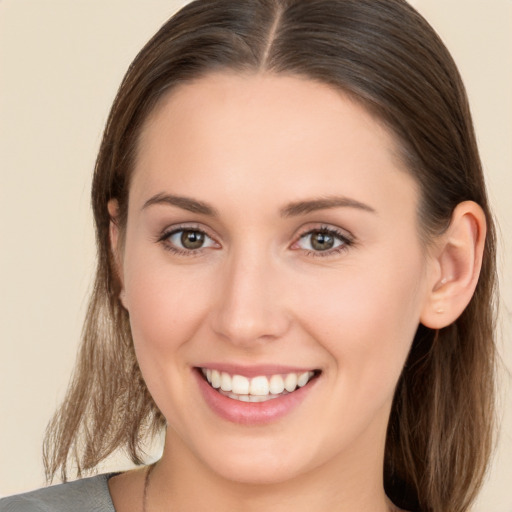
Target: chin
[257, 472]
[253, 461]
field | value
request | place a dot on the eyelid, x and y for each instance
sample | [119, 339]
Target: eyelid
[340, 234]
[165, 234]
[343, 235]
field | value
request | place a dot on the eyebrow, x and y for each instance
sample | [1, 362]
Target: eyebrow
[323, 203]
[291, 210]
[186, 203]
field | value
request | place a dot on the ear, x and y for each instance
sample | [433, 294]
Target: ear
[456, 264]
[115, 247]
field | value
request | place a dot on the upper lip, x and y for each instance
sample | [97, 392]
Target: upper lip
[256, 370]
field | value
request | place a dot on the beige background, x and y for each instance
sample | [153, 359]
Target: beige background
[60, 65]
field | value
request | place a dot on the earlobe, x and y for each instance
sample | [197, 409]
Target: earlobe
[457, 261]
[113, 210]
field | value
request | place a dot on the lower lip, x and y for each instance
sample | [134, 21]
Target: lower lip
[251, 413]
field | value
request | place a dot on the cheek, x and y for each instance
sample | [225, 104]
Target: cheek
[162, 298]
[166, 306]
[366, 317]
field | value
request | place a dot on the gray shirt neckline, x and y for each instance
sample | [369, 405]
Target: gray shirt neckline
[86, 495]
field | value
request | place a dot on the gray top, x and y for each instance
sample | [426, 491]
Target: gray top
[86, 495]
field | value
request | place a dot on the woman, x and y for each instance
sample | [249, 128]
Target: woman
[295, 275]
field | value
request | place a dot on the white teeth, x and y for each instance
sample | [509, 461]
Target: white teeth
[257, 389]
[276, 384]
[251, 398]
[303, 379]
[225, 381]
[290, 382]
[240, 385]
[257, 398]
[215, 379]
[259, 386]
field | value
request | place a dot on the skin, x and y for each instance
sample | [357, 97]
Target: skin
[257, 293]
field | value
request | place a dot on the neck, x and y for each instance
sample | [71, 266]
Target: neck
[354, 483]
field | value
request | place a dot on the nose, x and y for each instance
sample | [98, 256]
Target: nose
[250, 307]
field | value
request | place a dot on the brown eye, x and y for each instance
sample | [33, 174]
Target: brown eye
[188, 240]
[328, 241]
[192, 239]
[322, 241]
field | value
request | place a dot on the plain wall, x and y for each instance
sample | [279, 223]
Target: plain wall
[60, 65]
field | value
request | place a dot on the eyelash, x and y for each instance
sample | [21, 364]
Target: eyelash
[345, 240]
[168, 246]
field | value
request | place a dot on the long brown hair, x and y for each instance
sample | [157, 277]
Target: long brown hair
[385, 56]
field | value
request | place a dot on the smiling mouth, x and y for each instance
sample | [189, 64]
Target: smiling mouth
[257, 389]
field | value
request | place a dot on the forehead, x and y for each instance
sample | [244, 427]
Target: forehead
[248, 134]
[287, 105]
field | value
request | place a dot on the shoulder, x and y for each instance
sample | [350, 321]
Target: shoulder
[86, 495]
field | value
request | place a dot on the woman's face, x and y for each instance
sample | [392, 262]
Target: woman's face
[272, 233]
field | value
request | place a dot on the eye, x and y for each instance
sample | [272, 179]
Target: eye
[187, 240]
[323, 240]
